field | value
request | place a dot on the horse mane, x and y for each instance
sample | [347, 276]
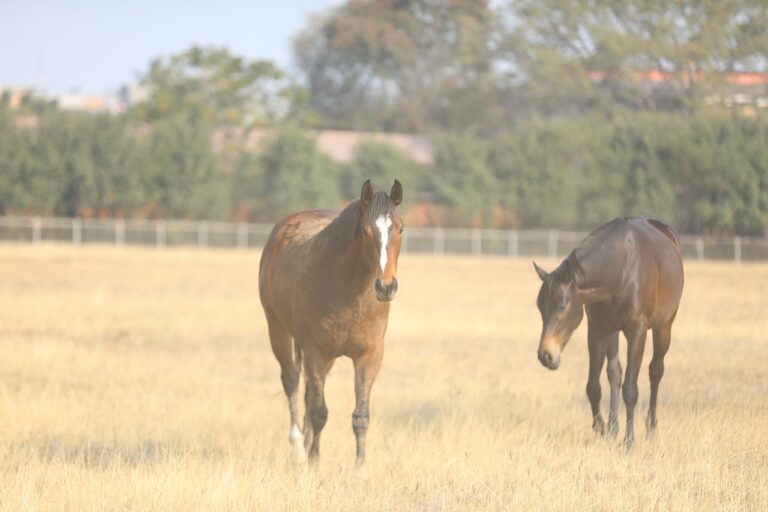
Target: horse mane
[342, 230]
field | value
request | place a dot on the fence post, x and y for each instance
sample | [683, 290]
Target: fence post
[202, 234]
[160, 233]
[37, 230]
[477, 242]
[737, 249]
[512, 243]
[119, 232]
[438, 241]
[242, 235]
[699, 249]
[553, 235]
[77, 231]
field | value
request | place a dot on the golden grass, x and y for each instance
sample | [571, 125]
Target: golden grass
[132, 379]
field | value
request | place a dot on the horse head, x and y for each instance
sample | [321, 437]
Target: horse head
[382, 231]
[562, 308]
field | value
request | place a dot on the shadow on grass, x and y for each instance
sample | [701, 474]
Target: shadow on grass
[450, 410]
[106, 454]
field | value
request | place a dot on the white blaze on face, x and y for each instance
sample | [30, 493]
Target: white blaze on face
[383, 223]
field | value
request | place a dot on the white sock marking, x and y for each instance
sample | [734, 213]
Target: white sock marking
[295, 434]
[383, 223]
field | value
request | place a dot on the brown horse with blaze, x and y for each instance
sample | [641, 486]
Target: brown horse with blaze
[325, 284]
[628, 275]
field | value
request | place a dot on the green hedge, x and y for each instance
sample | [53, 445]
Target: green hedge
[705, 174]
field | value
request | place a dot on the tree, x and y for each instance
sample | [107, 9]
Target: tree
[212, 84]
[535, 184]
[461, 179]
[579, 55]
[183, 180]
[399, 65]
[296, 175]
[382, 164]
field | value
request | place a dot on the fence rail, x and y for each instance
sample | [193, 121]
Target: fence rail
[478, 242]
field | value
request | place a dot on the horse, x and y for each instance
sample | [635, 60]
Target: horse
[628, 275]
[325, 285]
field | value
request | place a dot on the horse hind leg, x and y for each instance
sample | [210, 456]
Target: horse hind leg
[662, 337]
[290, 373]
[635, 346]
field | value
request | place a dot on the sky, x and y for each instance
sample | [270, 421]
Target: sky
[97, 46]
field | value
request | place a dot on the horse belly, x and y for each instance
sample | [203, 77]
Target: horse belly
[280, 280]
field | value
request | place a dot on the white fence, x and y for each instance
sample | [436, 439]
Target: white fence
[478, 242]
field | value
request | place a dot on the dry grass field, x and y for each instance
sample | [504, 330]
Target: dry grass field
[135, 379]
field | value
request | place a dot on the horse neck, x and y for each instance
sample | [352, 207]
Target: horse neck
[598, 268]
[345, 267]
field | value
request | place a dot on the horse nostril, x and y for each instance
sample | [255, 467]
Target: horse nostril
[385, 292]
[545, 358]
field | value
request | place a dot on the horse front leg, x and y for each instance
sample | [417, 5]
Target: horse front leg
[635, 347]
[614, 379]
[366, 369]
[597, 343]
[316, 414]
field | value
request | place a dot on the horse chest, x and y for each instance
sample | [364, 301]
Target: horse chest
[343, 328]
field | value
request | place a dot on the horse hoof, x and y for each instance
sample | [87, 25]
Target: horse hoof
[650, 427]
[598, 425]
[299, 455]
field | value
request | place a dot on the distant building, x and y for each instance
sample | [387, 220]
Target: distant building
[132, 94]
[742, 89]
[14, 95]
[107, 104]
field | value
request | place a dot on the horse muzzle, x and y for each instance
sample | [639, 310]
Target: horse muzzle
[385, 293]
[548, 360]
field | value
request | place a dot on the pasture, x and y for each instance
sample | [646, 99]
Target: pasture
[137, 379]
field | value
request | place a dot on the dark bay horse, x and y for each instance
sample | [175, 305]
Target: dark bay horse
[325, 285]
[628, 275]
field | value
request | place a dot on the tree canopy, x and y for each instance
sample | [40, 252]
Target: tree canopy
[540, 114]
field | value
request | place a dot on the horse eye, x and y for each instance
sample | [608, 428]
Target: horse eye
[561, 306]
[402, 228]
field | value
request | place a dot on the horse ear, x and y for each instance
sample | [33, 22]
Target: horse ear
[367, 193]
[542, 273]
[568, 270]
[396, 194]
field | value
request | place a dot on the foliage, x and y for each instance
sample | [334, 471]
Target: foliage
[296, 175]
[706, 174]
[182, 177]
[541, 114]
[214, 85]
[402, 66]
[382, 164]
[461, 180]
[554, 45]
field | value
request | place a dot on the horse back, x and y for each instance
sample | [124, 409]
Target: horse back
[663, 228]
